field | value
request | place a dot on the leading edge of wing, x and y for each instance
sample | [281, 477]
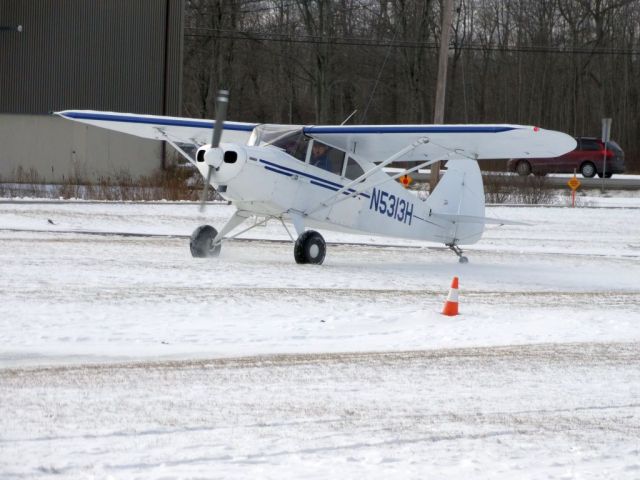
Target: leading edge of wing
[155, 126]
[489, 141]
[384, 129]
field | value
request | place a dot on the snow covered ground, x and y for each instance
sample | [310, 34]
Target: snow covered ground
[123, 357]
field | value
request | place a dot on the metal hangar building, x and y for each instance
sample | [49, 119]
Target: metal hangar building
[115, 55]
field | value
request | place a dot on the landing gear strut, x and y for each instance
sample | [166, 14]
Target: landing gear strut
[458, 251]
[310, 248]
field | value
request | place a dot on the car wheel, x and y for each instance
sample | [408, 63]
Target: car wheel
[588, 170]
[523, 168]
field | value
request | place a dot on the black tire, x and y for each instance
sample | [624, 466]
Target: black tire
[588, 170]
[607, 175]
[523, 168]
[310, 248]
[201, 243]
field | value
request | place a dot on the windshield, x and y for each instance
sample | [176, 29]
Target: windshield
[268, 134]
[285, 137]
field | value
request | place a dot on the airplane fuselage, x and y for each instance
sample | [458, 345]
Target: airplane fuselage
[290, 187]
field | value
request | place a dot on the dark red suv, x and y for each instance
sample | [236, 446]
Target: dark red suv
[587, 158]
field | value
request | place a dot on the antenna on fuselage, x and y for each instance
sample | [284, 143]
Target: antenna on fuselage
[349, 117]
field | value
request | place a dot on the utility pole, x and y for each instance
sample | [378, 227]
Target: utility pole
[441, 85]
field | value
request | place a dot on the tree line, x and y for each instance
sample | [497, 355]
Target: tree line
[559, 64]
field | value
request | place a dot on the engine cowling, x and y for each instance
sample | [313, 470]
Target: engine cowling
[227, 161]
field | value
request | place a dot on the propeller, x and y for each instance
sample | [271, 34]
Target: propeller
[222, 101]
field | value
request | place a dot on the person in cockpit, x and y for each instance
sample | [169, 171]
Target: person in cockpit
[320, 156]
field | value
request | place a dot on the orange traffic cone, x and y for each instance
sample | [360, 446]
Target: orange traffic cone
[451, 305]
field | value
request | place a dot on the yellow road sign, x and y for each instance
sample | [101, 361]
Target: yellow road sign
[574, 183]
[406, 180]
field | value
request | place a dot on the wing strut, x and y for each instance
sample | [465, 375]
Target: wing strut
[358, 191]
[327, 203]
[167, 139]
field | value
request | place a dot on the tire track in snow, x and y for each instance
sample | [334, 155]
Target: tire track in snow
[142, 293]
[584, 354]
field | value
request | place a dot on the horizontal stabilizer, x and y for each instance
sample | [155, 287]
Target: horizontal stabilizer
[472, 219]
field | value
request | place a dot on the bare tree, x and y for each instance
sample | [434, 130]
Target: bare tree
[561, 64]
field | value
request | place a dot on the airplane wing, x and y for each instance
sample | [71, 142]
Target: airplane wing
[379, 142]
[373, 142]
[196, 132]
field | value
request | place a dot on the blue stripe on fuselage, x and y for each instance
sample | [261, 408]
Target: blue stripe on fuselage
[318, 181]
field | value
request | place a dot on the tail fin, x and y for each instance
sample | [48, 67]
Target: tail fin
[458, 203]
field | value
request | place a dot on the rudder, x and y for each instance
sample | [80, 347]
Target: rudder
[458, 202]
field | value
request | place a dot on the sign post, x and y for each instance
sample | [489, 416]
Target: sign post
[606, 136]
[574, 184]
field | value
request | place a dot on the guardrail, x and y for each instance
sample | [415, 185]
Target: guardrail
[617, 182]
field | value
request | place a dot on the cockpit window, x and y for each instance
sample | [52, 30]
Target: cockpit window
[326, 157]
[294, 142]
[353, 170]
[295, 145]
[269, 133]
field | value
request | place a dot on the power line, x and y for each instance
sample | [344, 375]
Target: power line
[363, 42]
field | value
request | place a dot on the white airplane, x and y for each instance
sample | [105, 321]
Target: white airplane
[332, 177]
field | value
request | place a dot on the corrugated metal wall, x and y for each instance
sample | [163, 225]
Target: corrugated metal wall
[120, 55]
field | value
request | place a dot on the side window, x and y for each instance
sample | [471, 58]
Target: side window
[353, 170]
[336, 161]
[294, 144]
[325, 157]
[300, 151]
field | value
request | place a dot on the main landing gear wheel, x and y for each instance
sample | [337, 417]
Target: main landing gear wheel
[201, 243]
[310, 248]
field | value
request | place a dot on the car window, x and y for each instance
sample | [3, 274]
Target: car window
[587, 144]
[613, 146]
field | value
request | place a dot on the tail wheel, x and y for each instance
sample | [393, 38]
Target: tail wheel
[310, 248]
[588, 170]
[523, 168]
[201, 243]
